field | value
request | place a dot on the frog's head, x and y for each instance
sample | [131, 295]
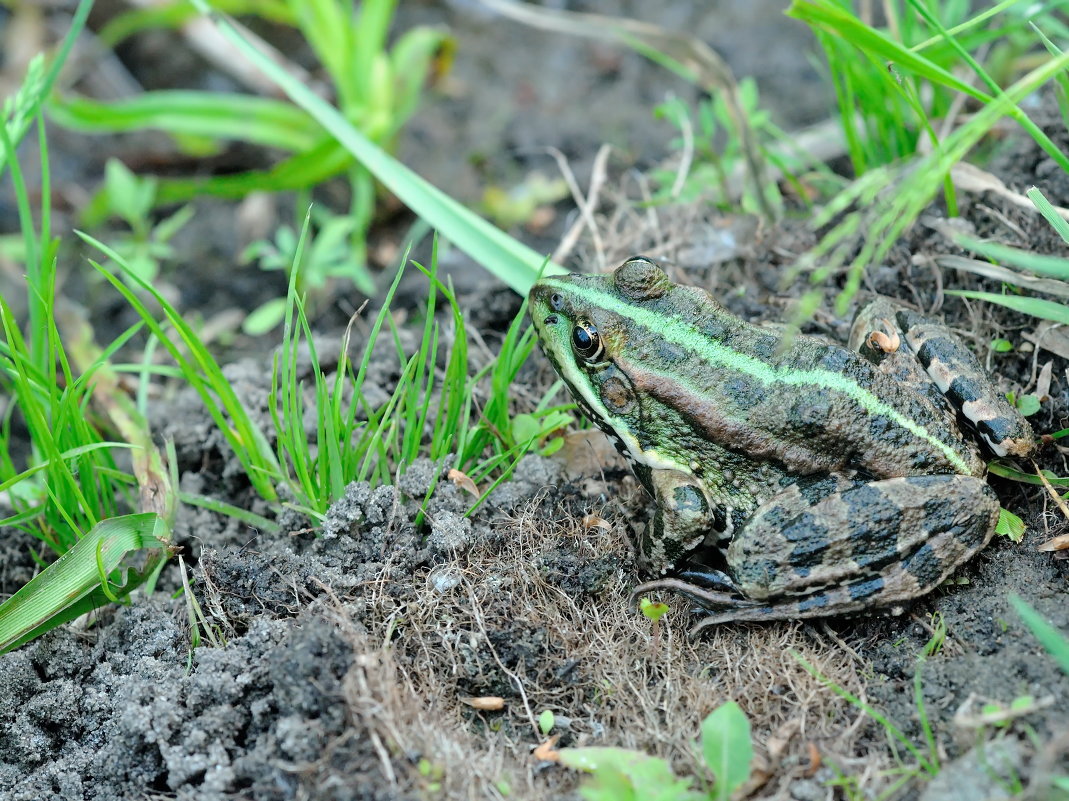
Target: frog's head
[587, 328]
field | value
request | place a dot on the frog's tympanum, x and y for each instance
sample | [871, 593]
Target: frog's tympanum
[790, 481]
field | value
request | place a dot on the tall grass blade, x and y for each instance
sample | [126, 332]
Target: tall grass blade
[1049, 637]
[259, 120]
[511, 261]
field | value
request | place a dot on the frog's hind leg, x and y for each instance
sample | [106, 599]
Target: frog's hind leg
[874, 543]
[925, 353]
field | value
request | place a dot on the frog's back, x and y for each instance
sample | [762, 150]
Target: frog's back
[814, 407]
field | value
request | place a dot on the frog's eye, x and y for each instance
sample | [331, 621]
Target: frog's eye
[641, 279]
[586, 341]
[556, 301]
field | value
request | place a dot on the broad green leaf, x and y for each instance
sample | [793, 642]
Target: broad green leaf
[619, 774]
[1009, 525]
[40, 604]
[727, 748]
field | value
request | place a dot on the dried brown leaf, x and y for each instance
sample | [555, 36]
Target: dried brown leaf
[487, 703]
[1059, 543]
[463, 481]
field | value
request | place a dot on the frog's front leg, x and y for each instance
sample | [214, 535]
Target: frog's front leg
[806, 554]
[681, 523]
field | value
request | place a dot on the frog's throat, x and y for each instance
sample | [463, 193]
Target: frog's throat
[679, 331]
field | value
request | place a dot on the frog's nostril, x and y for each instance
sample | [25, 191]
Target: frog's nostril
[556, 301]
[551, 320]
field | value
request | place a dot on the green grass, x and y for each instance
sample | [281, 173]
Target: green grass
[67, 490]
[925, 756]
[893, 85]
[713, 155]
[71, 495]
[377, 86]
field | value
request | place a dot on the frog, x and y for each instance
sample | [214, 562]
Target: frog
[792, 477]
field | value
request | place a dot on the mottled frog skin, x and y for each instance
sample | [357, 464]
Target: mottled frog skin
[790, 482]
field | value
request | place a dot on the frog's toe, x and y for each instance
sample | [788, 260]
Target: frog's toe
[706, 597]
[754, 614]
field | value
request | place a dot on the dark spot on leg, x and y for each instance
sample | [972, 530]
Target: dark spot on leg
[756, 576]
[861, 590]
[874, 523]
[964, 390]
[941, 348]
[815, 490]
[818, 601]
[925, 565]
[811, 540]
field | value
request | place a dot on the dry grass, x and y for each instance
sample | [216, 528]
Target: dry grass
[503, 629]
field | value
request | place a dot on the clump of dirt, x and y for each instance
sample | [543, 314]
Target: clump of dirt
[348, 659]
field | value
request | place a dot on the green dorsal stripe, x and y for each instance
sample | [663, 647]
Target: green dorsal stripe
[687, 336]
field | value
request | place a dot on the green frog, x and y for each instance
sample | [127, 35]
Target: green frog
[791, 480]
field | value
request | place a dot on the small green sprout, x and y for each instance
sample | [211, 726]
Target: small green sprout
[1026, 404]
[546, 721]
[432, 773]
[1009, 525]
[1001, 345]
[653, 610]
[132, 198]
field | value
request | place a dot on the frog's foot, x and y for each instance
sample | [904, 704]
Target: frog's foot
[958, 374]
[856, 596]
[924, 352]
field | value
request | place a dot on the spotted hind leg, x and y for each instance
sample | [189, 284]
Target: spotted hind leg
[829, 549]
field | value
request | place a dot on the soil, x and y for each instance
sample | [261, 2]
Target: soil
[351, 656]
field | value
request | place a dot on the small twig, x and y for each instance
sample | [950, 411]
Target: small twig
[205, 38]
[827, 630]
[585, 204]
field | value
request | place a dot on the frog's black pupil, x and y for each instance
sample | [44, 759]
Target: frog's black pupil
[585, 339]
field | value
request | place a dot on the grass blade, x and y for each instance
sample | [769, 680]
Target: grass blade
[1049, 637]
[511, 261]
[1036, 307]
[40, 604]
[259, 120]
